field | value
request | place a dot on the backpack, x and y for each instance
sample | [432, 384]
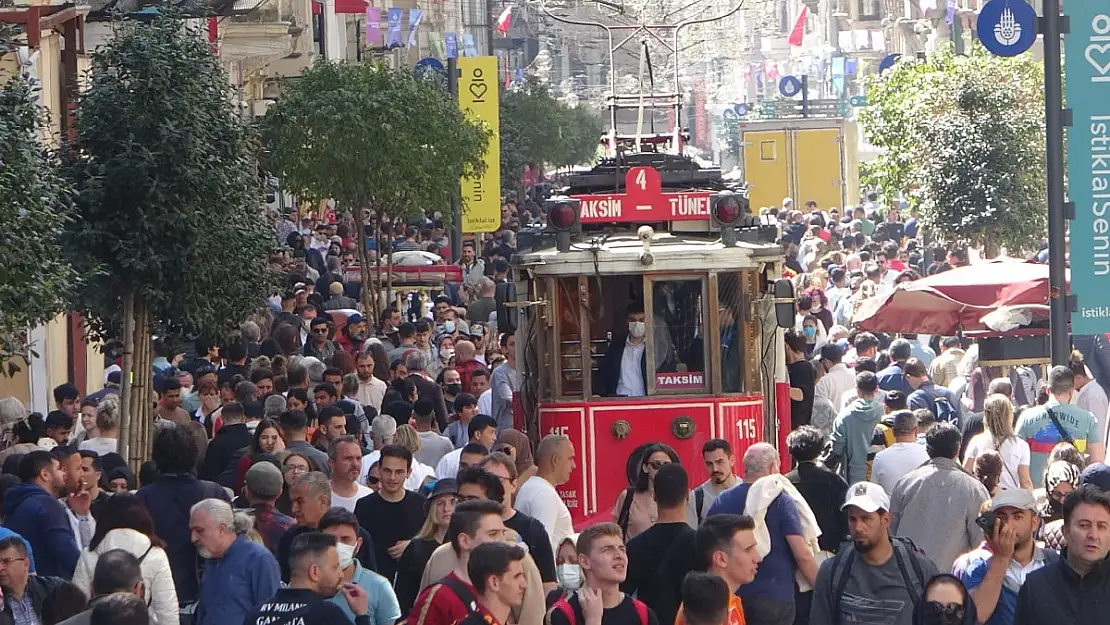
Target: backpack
[462, 592]
[943, 409]
[563, 605]
[842, 565]
[699, 501]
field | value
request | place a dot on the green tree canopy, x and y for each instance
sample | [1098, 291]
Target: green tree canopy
[35, 206]
[170, 191]
[537, 130]
[964, 137]
[369, 137]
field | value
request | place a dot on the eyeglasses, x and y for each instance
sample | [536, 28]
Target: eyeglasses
[951, 611]
[462, 498]
[296, 469]
[10, 561]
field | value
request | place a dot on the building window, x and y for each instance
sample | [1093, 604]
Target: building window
[869, 10]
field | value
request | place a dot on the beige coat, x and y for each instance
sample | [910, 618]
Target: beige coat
[444, 560]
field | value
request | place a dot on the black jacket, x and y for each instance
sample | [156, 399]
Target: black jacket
[427, 389]
[38, 589]
[223, 450]
[610, 370]
[1062, 596]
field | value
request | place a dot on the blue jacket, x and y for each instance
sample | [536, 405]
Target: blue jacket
[235, 584]
[169, 500]
[41, 519]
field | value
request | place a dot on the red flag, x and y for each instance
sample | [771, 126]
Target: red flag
[504, 19]
[799, 31]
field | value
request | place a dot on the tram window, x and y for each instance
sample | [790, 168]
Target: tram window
[678, 332]
[569, 348]
[730, 321]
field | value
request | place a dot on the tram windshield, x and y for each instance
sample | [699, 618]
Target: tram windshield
[629, 345]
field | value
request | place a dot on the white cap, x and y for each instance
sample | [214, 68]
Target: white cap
[867, 496]
[1014, 498]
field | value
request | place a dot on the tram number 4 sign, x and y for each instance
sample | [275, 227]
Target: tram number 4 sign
[643, 202]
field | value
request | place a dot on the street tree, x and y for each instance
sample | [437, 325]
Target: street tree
[538, 131]
[376, 141]
[35, 206]
[170, 233]
[964, 136]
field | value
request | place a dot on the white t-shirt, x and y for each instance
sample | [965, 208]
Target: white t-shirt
[101, 446]
[415, 480]
[894, 462]
[485, 402]
[539, 499]
[1014, 452]
[449, 465]
[631, 382]
[348, 503]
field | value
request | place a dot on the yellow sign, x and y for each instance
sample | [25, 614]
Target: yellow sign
[478, 98]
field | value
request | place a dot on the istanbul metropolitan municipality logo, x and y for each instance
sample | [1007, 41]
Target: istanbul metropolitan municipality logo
[1007, 27]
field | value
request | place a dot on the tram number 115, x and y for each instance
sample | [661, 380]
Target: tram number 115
[747, 430]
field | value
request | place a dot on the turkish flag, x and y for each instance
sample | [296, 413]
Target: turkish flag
[504, 19]
[799, 31]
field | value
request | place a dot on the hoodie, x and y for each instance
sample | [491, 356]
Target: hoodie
[155, 565]
[41, 519]
[851, 437]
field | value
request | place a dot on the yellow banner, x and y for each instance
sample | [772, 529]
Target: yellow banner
[478, 98]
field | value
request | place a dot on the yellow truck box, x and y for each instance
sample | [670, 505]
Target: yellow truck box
[803, 159]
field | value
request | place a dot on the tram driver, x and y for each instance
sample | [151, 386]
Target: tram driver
[624, 370]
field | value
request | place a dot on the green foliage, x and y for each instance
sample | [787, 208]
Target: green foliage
[170, 193]
[537, 130]
[369, 137]
[35, 206]
[964, 136]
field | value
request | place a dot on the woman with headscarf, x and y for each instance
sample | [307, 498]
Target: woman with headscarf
[1061, 478]
[516, 445]
[945, 602]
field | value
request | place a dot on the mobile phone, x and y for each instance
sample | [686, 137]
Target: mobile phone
[986, 522]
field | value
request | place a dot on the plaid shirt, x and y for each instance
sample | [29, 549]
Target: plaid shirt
[23, 611]
[271, 525]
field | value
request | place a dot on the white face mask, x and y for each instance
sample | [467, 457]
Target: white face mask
[346, 555]
[569, 576]
[637, 329]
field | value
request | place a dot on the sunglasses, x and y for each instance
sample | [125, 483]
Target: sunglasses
[372, 481]
[658, 464]
[953, 611]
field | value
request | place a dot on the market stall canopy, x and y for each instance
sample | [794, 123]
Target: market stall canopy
[955, 300]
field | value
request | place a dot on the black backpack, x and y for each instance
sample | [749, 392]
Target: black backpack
[841, 567]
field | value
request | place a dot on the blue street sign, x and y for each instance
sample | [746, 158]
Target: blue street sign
[790, 86]
[1087, 67]
[888, 62]
[429, 64]
[1007, 27]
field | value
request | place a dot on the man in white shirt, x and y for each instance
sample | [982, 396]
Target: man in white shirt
[483, 431]
[905, 455]
[1091, 396]
[624, 366]
[433, 445]
[538, 498]
[371, 390]
[345, 459]
[838, 378]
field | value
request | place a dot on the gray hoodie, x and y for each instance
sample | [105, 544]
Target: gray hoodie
[851, 437]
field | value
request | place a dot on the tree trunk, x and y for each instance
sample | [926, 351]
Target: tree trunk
[141, 423]
[364, 263]
[125, 389]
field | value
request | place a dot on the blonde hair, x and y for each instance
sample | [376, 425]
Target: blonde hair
[407, 437]
[998, 419]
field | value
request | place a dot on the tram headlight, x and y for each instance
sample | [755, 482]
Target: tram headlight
[728, 213]
[562, 219]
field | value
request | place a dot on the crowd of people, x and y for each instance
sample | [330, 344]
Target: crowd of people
[327, 465]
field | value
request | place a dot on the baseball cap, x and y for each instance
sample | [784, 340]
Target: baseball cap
[867, 496]
[353, 319]
[264, 479]
[1014, 498]
[1097, 474]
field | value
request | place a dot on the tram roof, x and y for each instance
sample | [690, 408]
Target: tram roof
[622, 253]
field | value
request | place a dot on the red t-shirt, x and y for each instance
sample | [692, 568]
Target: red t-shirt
[439, 605]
